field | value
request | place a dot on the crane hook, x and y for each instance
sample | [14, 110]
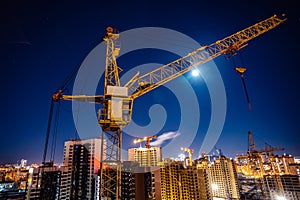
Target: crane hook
[241, 71]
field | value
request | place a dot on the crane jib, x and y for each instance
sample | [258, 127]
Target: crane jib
[227, 46]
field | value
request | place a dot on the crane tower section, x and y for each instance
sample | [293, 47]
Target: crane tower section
[112, 51]
[116, 110]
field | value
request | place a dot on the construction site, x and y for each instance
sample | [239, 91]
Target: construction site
[263, 174]
[94, 168]
[109, 177]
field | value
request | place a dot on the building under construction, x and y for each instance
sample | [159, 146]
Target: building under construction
[281, 186]
[141, 183]
[44, 182]
[145, 156]
[222, 176]
[81, 164]
[264, 175]
[178, 182]
[115, 112]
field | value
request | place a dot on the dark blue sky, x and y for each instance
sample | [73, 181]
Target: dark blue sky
[42, 42]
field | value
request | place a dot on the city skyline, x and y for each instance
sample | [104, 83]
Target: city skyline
[43, 43]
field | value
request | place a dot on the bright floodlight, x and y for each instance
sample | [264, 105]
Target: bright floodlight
[181, 157]
[195, 72]
[214, 186]
[278, 197]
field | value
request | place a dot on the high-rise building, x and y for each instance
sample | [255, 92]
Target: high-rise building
[81, 164]
[222, 177]
[170, 180]
[142, 183]
[145, 156]
[187, 183]
[195, 183]
[44, 182]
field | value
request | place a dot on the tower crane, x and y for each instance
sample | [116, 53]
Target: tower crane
[190, 151]
[268, 149]
[146, 139]
[116, 103]
[254, 155]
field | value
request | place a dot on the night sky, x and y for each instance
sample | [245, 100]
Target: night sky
[42, 42]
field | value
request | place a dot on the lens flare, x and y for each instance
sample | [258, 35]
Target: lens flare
[195, 72]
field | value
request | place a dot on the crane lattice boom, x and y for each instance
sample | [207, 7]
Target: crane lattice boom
[227, 46]
[146, 139]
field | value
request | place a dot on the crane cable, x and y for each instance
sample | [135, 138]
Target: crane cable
[62, 88]
[54, 136]
[41, 168]
[241, 71]
[48, 131]
[69, 78]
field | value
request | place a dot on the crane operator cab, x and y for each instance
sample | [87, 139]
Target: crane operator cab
[117, 107]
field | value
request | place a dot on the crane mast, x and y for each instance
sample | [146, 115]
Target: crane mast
[117, 101]
[112, 51]
[112, 115]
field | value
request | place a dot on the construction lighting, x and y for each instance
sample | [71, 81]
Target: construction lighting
[214, 186]
[279, 197]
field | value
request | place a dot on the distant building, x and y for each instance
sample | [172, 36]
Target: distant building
[264, 175]
[178, 182]
[145, 156]
[44, 182]
[170, 181]
[9, 190]
[282, 164]
[23, 163]
[281, 186]
[222, 177]
[195, 183]
[140, 183]
[81, 164]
